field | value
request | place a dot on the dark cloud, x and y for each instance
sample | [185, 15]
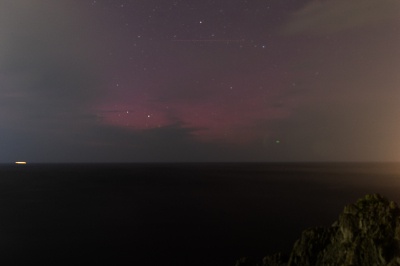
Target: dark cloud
[112, 144]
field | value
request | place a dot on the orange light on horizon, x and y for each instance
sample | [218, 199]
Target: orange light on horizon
[20, 162]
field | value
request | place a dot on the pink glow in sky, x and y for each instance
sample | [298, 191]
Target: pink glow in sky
[200, 80]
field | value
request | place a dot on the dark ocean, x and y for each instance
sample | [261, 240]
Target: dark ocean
[173, 214]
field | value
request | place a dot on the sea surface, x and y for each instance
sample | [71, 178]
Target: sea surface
[173, 214]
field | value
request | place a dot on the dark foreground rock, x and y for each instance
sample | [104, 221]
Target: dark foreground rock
[367, 233]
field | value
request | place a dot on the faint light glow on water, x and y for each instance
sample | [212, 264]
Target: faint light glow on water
[20, 162]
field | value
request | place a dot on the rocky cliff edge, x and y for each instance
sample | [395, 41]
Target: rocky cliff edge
[367, 233]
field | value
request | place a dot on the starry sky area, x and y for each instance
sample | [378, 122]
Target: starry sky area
[210, 80]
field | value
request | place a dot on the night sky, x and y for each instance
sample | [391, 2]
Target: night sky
[191, 80]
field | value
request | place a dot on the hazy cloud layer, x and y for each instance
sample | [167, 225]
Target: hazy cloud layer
[327, 16]
[45, 63]
[100, 81]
